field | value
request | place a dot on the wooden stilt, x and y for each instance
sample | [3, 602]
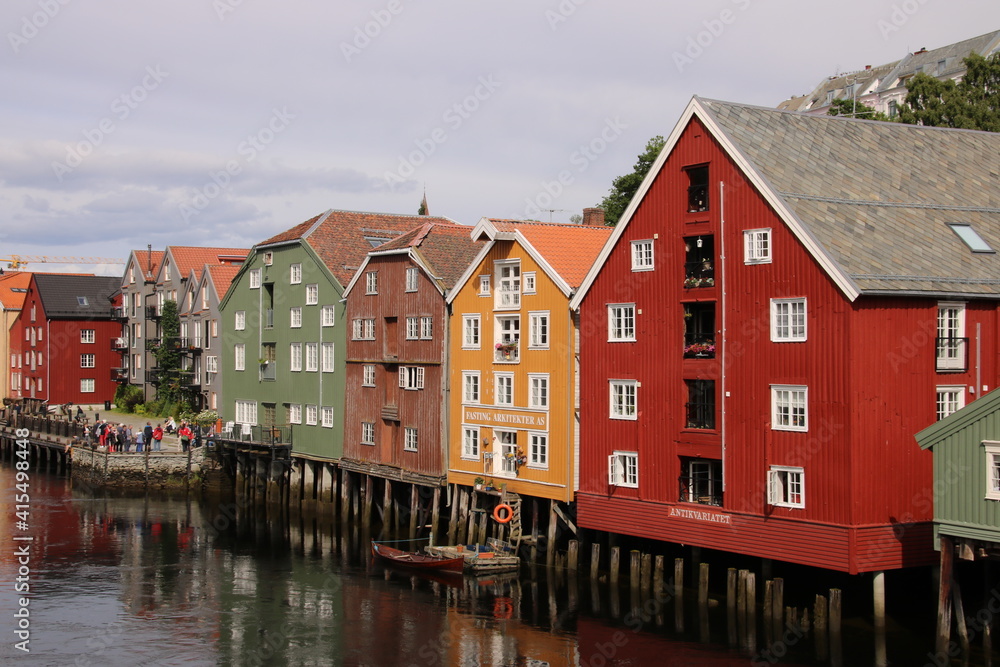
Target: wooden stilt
[595, 560]
[878, 609]
[435, 539]
[778, 611]
[963, 631]
[573, 556]
[944, 595]
[635, 560]
[388, 516]
[550, 543]
[679, 594]
[646, 572]
[615, 565]
[345, 496]
[751, 611]
[414, 510]
[658, 563]
[703, 585]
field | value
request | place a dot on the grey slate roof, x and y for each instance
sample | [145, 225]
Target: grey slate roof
[930, 62]
[59, 295]
[876, 196]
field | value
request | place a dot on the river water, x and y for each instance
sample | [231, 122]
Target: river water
[157, 581]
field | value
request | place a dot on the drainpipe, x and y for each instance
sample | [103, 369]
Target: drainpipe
[722, 309]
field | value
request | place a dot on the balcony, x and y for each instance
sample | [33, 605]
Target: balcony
[153, 376]
[271, 435]
[952, 355]
[699, 349]
[699, 262]
[508, 353]
[119, 375]
[183, 344]
[700, 490]
[152, 313]
[268, 370]
[119, 344]
[119, 313]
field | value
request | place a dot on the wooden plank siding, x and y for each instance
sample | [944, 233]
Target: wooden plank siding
[391, 408]
[556, 480]
[869, 369]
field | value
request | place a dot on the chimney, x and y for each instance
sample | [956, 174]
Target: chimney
[868, 68]
[593, 217]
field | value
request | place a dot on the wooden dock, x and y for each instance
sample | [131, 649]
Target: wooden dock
[481, 559]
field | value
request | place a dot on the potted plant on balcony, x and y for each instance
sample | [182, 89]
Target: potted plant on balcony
[706, 349]
[507, 349]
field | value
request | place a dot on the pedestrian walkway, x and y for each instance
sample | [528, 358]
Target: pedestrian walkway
[170, 443]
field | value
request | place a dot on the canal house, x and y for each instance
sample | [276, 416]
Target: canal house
[784, 303]
[284, 334]
[395, 424]
[137, 315]
[60, 340]
[513, 400]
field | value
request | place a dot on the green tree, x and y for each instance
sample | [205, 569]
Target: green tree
[624, 187]
[843, 107]
[971, 104]
[168, 357]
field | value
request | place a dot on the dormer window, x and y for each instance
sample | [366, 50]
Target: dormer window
[697, 189]
[970, 236]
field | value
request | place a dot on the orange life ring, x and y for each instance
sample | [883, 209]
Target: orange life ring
[503, 608]
[507, 517]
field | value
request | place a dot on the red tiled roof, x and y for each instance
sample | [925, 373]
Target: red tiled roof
[343, 238]
[142, 261]
[190, 257]
[15, 280]
[222, 277]
[570, 249]
[446, 249]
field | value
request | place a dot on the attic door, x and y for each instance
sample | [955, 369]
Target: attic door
[390, 339]
[270, 414]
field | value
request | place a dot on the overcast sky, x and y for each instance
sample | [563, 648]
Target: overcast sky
[223, 122]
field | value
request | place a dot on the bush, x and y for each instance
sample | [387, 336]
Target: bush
[128, 396]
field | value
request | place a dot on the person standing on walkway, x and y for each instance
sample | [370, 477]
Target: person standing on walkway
[185, 434]
[147, 436]
[157, 437]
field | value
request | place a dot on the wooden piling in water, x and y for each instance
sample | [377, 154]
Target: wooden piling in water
[703, 585]
[635, 557]
[658, 576]
[646, 572]
[595, 561]
[835, 615]
[778, 610]
[550, 543]
[573, 556]
[615, 565]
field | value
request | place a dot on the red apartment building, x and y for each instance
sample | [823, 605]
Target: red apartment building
[63, 339]
[785, 302]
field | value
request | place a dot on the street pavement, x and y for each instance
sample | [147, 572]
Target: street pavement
[170, 443]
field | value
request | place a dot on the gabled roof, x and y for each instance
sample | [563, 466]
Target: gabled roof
[145, 261]
[930, 62]
[960, 419]
[187, 258]
[865, 80]
[564, 251]
[14, 289]
[222, 277]
[76, 297]
[342, 239]
[869, 200]
[444, 252]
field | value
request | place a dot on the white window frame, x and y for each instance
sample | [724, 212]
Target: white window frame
[295, 356]
[484, 285]
[295, 317]
[326, 417]
[538, 391]
[240, 356]
[503, 389]
[426, 328]
[643, 258]
[951, 325]
[311, 414]
[621, 322]
[472, 387]
[368, 375]
[788, 323]
[790, 398]
[623, 399]
[411, 377]
[991, 449]
[412, 278]
[327, 358]
[255, 276]
[312, 294]
[328, 316]
[781, 486]
[211, 364]
[472, 332]
[88, 360]
[623, 469]
[371, 282]
[757, 246]
[295, 273]
[410, 439]
[88, 336]
[367, 433]
[294, 413]
[528, 283]
[412, 328]
[470, 443]
[246, 412]
[363, 329]
[508, 292]
[312, 357]
[87, 385]
[950, 399]
[539, 330]
[538, 450]
[240, 320]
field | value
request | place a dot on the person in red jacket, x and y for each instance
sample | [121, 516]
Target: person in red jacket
[185, 434]
[157, 437]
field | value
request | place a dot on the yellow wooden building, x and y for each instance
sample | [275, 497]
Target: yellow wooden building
[513, 341]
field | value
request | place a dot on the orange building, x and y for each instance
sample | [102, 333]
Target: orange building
[513, 343]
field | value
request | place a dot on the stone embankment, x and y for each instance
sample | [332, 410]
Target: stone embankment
[153, 470]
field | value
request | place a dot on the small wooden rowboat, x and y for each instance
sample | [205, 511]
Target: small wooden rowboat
[416, 560]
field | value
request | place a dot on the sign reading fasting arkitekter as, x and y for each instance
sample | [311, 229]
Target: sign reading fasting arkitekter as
[489, 416]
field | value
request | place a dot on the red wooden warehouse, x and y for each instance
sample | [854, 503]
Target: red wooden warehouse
[785, 302]
[63, 342]
[394, 423]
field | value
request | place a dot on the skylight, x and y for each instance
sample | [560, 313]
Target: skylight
[81, 300]
[970, 236]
